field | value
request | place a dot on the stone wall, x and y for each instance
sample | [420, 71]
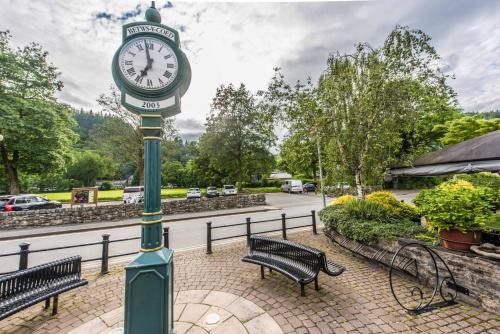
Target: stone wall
[478, 274]
[87, 214]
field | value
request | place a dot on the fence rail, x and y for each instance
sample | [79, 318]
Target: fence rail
[24, 250]
[248, 223]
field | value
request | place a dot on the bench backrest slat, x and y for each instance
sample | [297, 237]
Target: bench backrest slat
[40, 277]
[305, 256]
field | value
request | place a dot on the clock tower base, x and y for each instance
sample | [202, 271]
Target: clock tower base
[149, 293]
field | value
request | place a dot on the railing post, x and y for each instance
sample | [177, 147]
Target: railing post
[23, 255]
[249, 231]
[209, 238]
[313, 216]
[166, 241]
[105, 254]
[283, 225]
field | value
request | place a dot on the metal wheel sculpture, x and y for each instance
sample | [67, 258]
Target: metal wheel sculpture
[444, 284]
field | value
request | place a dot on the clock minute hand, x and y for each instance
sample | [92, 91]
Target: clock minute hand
[149, 61]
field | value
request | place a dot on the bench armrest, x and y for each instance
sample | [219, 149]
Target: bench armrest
[332, 268]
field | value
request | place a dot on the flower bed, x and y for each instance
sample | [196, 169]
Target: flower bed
[476, 273]
[375, 227]
[379, 217]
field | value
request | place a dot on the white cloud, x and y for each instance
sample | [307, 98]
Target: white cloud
[242, 42]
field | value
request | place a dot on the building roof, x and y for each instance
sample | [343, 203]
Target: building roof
[476, 154]
[280, 175]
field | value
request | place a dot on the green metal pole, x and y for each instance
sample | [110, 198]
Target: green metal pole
[149, 277]
[151, 229]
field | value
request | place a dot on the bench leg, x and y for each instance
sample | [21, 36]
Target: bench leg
[54, 307]
[262, 272]
[302, 290]
[47, 304]
[316, 286]
[270, 271]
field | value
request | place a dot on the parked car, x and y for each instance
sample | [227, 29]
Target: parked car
[133, 195]
[212, 192]
[309, 187]
[193, 193]
[3, 200]
[292, 186]
[29, 202]
[229, 190]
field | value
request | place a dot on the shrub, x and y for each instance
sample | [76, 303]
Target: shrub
[483, 179]
[366, 210]
[106, 185]
[391, 203]
[368, 222]
[456, 204]
[343, 199]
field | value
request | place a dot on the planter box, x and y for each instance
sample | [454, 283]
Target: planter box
[481, 276]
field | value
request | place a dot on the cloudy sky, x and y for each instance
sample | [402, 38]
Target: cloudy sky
[242, 42]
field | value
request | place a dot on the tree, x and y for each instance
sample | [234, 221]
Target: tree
[371, 108]
[35, 127]
[120, 135]
[173, 172]
[467, 127]
[239, 134]
[374, 102]
[298, 154]
[86, 121]
[89, 167]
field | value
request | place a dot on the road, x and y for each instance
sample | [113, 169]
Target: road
[183, 234]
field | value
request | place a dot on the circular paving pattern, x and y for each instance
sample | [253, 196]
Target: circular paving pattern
[200, 312]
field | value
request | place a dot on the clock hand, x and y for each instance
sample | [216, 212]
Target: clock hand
[149, 61]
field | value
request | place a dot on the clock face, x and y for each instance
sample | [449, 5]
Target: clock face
[148, 63]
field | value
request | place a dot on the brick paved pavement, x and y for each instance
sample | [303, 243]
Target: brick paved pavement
[358, 301]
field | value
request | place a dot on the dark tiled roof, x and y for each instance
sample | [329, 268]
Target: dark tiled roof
[485, 147]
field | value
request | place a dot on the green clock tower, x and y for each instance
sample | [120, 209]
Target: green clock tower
[152, 74]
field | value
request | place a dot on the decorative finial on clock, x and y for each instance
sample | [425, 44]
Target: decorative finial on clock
[152, 14]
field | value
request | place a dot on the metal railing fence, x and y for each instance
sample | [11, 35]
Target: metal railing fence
[248, 223]
[24, 250]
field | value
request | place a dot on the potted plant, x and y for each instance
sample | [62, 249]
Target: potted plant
[458, 211]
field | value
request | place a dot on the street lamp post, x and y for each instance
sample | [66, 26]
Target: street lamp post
[321, 171]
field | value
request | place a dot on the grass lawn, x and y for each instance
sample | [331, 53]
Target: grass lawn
[117, 195]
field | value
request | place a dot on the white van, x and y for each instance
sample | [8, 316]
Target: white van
[133, 195]
[292, 186]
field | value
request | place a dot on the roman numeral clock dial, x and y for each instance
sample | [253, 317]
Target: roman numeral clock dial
[148, 63]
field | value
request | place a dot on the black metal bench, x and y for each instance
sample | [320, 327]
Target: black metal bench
[27, 287]
[297, 262]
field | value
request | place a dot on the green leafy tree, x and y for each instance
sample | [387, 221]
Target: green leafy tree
[36, 129]
[372, 107]
[120, 136]
[86, 121]
[486, 115]
[239, 134]
[90, 166]
[467, 127]
[173, 172]
[298, 154]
